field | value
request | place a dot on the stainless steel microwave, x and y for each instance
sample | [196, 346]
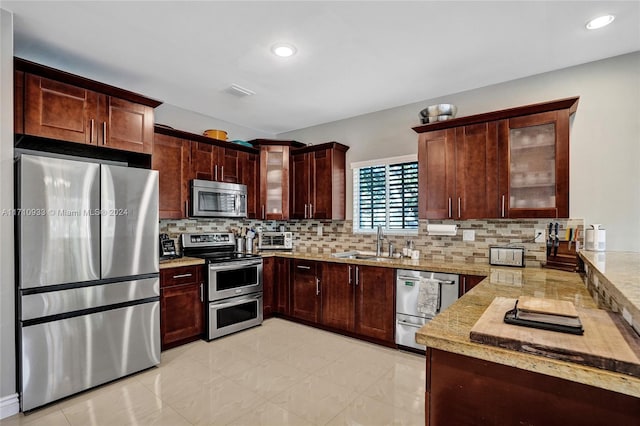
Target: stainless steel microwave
[218, 199]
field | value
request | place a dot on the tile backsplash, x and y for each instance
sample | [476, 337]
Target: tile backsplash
[338, 236]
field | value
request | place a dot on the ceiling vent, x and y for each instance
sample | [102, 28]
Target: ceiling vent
[239, 91]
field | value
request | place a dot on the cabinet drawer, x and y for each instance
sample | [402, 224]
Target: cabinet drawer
[181, 275]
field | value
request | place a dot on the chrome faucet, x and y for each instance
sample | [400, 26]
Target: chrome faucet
[379, 240]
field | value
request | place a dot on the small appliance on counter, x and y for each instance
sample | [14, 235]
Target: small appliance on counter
[595, 238]
[167, 248]
[275, 240]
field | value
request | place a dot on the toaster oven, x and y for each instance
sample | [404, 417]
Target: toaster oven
[277, 240]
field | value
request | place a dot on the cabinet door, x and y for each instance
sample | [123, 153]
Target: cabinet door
[300, 186]
[59, 111]
[537, 182]
[436, 180]
[375, 305]
[203, 157]
[467, 282]
[125, 125]
[324, 191]
[171, 157]
[476, 172]
[274, 182]
[229, 165]
[268, 285]
[181, 305]
[18, 102]
[181, 308]
[338, 310]
[282, 285]
[250, 169]
[305, 291]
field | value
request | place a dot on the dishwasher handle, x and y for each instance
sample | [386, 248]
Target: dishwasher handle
[409, 324]
[417, 279]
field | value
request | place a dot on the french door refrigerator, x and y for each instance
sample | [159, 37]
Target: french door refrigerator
[88, 279]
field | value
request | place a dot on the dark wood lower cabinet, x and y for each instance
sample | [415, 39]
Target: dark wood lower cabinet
[375, 304]
[305, 291]
[338, 309]
[467, 282]
[181, 305]
[462, 390]
[359, 300]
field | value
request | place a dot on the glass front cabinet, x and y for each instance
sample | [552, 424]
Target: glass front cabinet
[534, 166]
[524, 175]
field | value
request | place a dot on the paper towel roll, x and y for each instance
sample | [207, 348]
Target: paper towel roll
[442, 229]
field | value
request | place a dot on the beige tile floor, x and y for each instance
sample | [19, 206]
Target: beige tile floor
[280, 373]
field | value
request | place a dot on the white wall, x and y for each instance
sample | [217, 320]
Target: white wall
[189, 121]
[8, 397]
[605, 137]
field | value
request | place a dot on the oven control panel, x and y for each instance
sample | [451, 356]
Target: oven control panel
[207, 240]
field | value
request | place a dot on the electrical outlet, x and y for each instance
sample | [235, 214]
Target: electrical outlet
[540, 235]
[468, 235]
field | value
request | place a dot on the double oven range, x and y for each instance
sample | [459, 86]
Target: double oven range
[233, 290]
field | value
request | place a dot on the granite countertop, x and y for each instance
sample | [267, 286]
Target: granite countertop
[449, 330]
[180, 261]
[620, 273]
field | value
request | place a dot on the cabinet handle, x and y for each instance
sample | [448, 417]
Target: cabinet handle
[303, 267]
[409, 324]
[91, 130]
[222, 173]
[104, 133]
[357, 278]
[263, 211]
[503, 205]
[186, 208]
[310, 211]
[458, 207]
[201, 293]
[449, 206]
[182, 276]
[215, 176]
[305, 211]
[464, 284]
[317, 286]
[349, 274]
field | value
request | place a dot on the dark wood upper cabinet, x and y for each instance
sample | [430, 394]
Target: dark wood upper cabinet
[250, 176]
[511, 163]
[534, 179]
[57, 105]
[201, 158]
[61, 111]
[172, 158]
[274, 177]
[436, 174]
[318, 181]
[125, 125]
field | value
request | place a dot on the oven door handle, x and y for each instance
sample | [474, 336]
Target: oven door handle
[233, 265]
[226, 304]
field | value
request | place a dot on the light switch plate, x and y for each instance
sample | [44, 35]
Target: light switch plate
[540, 235]
[468, 235]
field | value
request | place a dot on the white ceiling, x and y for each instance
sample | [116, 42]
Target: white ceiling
[353, 57]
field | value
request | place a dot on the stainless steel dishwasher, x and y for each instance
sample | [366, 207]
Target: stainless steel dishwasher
[408, 317]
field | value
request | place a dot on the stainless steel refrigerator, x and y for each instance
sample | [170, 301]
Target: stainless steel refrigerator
[88, 279]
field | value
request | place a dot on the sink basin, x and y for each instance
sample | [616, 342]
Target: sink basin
[360, 256]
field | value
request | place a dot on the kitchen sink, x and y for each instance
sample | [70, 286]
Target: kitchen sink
[360, 256]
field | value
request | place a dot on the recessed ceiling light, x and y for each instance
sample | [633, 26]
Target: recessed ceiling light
[600, 21]
[283, 50]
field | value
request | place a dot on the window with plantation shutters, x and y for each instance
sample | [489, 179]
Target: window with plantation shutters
[386, 194]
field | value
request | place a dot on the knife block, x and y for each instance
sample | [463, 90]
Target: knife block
[566, 259]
